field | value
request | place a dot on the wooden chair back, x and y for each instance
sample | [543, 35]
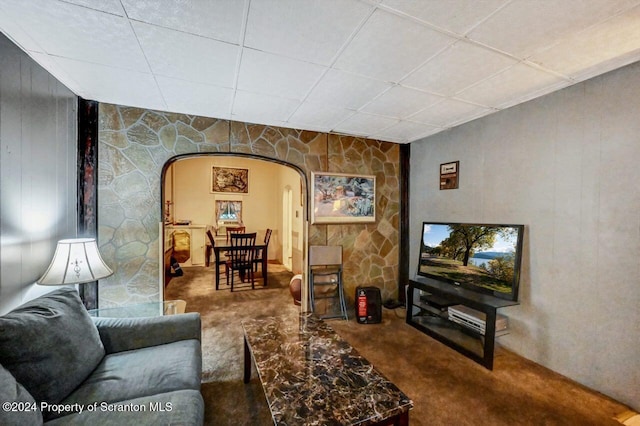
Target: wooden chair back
[211, 240]
[242, 250]
[234, 230]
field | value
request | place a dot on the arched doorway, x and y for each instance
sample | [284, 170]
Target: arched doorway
[190, 196]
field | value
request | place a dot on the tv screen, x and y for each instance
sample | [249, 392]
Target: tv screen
[480, 257]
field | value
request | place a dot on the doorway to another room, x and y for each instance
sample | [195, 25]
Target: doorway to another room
[287, 228]
[214, 193]
[206, 195]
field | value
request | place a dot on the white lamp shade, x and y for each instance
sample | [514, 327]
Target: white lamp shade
[76, 261]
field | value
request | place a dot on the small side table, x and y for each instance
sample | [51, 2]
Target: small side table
[152, 309]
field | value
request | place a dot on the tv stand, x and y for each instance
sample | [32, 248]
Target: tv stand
[427, 304]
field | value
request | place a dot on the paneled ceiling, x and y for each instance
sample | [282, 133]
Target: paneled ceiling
[395, 70]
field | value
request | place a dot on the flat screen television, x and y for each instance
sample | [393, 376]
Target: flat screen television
[481, 257]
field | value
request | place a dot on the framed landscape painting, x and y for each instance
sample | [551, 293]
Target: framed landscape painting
[342, 198]
[229, 180]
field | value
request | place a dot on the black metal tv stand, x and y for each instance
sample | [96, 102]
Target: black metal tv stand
[430, 316]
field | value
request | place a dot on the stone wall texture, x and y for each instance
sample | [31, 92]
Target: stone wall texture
[135, 144]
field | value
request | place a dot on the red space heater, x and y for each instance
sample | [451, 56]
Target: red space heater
[368, 305]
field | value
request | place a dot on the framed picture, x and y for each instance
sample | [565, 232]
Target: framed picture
[449, 175]
[342, 198]
[229, 180]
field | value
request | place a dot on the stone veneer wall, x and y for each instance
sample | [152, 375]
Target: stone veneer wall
[134, 144]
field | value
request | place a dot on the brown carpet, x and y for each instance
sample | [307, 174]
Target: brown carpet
[446, 387]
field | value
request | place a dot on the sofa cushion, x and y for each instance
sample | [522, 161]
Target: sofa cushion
[142, 372]
[183, 407]
[50, 344]
[125, 334]
[22, 408]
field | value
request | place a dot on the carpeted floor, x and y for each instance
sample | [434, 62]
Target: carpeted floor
[446, 387]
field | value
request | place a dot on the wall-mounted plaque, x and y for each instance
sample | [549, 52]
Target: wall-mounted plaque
[449, 175]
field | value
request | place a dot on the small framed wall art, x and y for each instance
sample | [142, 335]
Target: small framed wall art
[229, 180]
[449, 175]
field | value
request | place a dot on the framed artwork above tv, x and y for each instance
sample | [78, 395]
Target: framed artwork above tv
[484, 258]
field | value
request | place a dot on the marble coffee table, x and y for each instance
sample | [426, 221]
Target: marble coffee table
[311, 376]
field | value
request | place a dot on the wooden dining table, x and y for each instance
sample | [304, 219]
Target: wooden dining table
[224, 246]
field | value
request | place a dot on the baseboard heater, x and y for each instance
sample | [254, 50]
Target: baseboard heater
[476, 320]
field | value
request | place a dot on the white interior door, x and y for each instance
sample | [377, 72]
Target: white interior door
[287, 243]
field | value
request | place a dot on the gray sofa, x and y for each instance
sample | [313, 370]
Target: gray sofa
[59, 366]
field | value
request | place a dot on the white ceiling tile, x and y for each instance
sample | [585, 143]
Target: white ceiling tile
[365, 124]
[386, 55]
[217, 19]
[429, 133]
[70, 31]
[310, 30]
[400, 102]
[458, 16]
[595, 50]
[449, 112]
[515, 83]
[388, 47]
[458, 67]
[276, 75]
[11, 28]
[195, 98]
[405, 131]
[188, 57]
[346, 90]
[524, 27]
[114, 85]
[109, 6]
[319, 115]
[262, 109]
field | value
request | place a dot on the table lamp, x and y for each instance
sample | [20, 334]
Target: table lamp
[76, 261]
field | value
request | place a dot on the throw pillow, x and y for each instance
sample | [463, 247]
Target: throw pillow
[50, 344]
[19, 408]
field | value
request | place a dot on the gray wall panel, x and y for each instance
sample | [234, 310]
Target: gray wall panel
[564, 165]
[37, 172]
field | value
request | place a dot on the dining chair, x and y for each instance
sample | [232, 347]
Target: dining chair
[262, 252]
[230, 231]
[222, 260]
[240, 257]
[234, 230]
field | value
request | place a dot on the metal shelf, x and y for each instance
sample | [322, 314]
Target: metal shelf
[435, 323]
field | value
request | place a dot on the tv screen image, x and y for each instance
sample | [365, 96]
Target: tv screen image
[481, 257]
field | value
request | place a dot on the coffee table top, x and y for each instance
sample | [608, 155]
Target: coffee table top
[310, 375]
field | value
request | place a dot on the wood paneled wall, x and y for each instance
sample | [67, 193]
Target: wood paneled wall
[37, 172]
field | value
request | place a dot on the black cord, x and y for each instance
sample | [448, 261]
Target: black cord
[394, 305]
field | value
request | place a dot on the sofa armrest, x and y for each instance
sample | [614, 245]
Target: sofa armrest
[124, 334]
